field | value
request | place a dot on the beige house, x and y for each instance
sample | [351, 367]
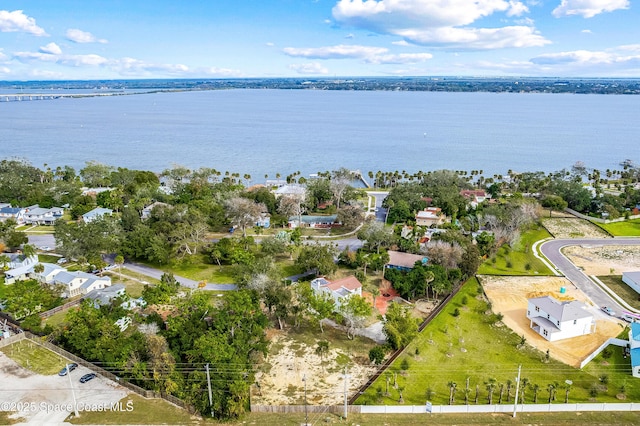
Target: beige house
[431, 216]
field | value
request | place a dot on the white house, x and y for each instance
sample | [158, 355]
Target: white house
[96, 213]
[339, 289]
[78, 282]
[555, 320]
[430, 216]
[15, 213]
[632, 279]
[146, 212]
[18, 260]
[634, 345]
[36, 215]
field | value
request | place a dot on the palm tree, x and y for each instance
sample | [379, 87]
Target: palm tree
[4, 260]
[501, 392]
[509, 390]
[491, 386]
[536, 388]
[550, 388]
[119, 260]
[38, 268]
[452, 390]
[567, 389]
[28, 250]
[523, 387]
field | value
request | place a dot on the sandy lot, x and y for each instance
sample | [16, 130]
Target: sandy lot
[509, 296]
[572, 227]
[601, 260]
[45, 399]
[284, 384]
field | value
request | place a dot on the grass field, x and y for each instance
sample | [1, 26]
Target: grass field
[199, 269]
[473, 346]
[626, 293]
[34, 357]
[628, 228]
[517, 260]
[144, 412]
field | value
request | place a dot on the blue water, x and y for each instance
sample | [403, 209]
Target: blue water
[282, 131]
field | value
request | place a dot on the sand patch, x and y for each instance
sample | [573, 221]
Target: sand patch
[604, 260]
[508, 295]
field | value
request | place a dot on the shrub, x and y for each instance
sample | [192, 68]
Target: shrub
[464, 300]
[456, 312]
[404, 365]
[527, 266]
[376, 355]
[509, 264]
[606, 353]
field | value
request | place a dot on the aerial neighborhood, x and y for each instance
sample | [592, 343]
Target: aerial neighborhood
[384, 289]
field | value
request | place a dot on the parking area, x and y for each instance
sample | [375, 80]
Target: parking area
[39, 399]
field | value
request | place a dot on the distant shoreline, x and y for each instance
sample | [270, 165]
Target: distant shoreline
[602, 86]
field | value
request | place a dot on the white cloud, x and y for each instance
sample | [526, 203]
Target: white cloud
[588, 8]
[270, 44]
[617, 61]
[369, 54]
[402, 58]
[51, 48]
[310, 68]
[3, 57]
[400, 43]
[79, 36]
[5, 70]
[335, 52]
[442, 22]
[350, 35]
[586, 32]
[517, 8]
[17, 21]
[477, 38]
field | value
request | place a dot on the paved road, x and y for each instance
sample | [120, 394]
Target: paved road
[379, 197]
[39, 240]
[552, 250]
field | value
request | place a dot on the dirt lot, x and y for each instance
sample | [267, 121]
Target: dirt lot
[601, 260]
[283, 383]
[509, 296]
[44, 399]
[573, 228]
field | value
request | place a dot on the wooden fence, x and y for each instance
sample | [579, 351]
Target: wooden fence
[399, 352]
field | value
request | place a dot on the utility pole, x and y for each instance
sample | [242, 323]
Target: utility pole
[515, 401]
[209, 386]
[346, 386]
[306, 414]
[73, 393]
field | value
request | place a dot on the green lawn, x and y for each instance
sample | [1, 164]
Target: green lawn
[34, 357]
[517, 260]
[143, 412]
[199, 269]
[48, 258]
[626, 293]
[41, 229]
[471, 346]
[628, 228]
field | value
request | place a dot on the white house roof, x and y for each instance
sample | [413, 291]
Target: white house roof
[633, 276]
[98, 211]
[563, 311]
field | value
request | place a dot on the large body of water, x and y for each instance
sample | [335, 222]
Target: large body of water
[282, 131]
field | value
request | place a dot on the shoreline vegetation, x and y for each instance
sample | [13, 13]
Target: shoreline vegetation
[435, 84]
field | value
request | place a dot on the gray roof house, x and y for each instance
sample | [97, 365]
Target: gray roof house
[555, 320]
[106, 295]
[78, 282]
[37, 215]
[17, 260]
[95, 214]
[15, 213]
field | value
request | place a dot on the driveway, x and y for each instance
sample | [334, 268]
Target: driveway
[552, 250]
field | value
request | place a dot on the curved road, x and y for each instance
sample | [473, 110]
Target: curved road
[552, 251]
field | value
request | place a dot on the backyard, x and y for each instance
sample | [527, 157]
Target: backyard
[447, 352]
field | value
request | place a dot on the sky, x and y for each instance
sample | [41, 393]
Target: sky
[131, 39]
